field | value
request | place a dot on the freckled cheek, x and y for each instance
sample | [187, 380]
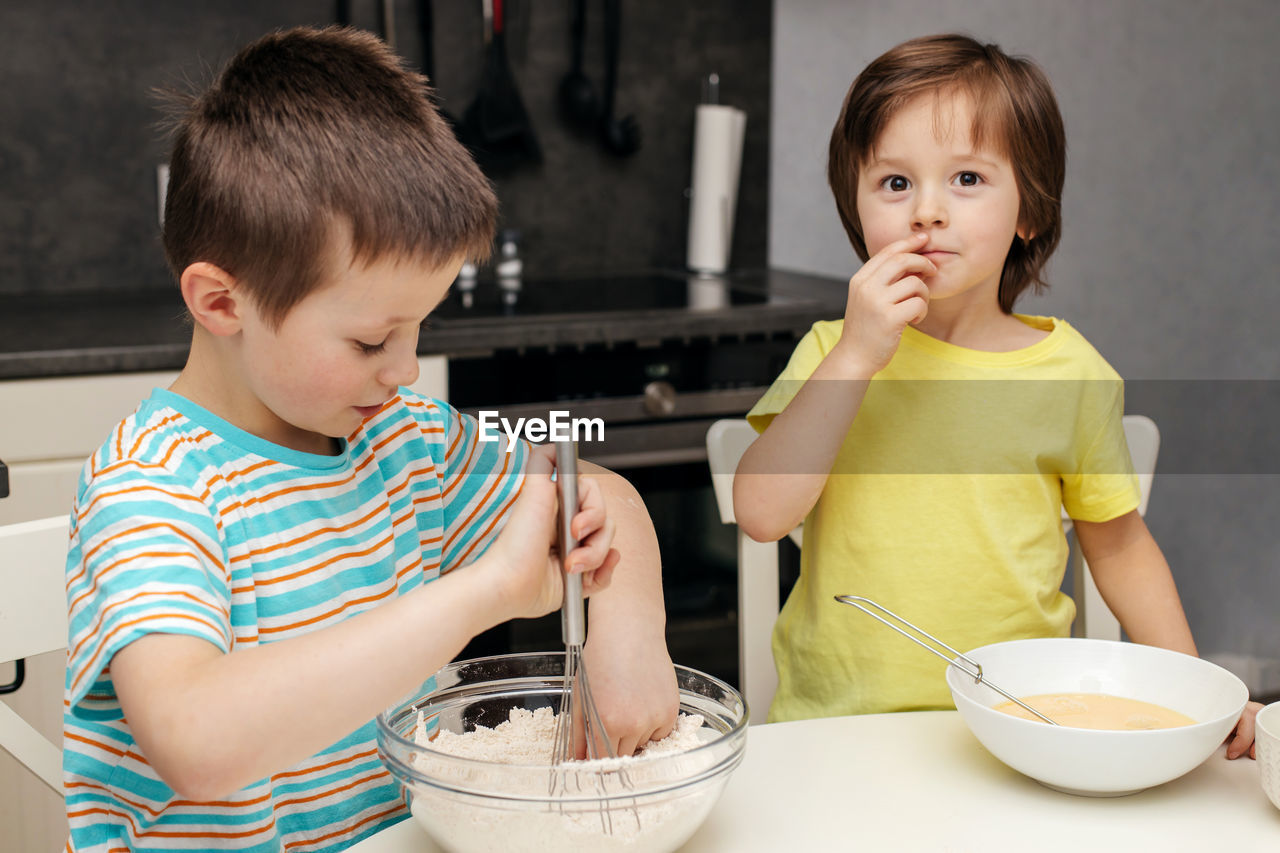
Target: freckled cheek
[324, 377]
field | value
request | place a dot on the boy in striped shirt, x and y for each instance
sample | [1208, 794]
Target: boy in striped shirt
[285, 541]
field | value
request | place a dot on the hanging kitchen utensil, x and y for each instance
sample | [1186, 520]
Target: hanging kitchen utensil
[620, 136]
[496, 126]
[579, 106]
[426, 35]
[387, 21]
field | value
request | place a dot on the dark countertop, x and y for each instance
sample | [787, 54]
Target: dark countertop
[89, 333]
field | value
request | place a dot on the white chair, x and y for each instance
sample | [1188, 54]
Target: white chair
[758, 603]
[33, 620]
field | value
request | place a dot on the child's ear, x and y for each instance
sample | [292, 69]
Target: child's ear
[1025, 234]
[213, 298]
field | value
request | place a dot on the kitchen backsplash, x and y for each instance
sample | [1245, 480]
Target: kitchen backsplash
[81, 140]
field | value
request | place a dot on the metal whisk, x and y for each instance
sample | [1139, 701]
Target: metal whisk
[962, 662]
[576, 701]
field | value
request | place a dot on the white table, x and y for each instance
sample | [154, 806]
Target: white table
[920, 781]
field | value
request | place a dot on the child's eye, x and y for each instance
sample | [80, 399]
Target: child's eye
[895, 184]
[968, 179]
[371, 349]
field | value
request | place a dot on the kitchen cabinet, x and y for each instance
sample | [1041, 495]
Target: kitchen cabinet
[49, 427]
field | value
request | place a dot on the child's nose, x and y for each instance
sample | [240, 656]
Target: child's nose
[930, 209]
[402, 369]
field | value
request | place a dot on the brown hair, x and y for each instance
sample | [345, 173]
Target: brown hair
[306, 136]
[1014, 112]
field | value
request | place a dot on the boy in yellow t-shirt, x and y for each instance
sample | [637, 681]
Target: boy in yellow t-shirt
[930, 440]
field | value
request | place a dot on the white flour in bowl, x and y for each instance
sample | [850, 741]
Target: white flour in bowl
[522, 747]
[527, 737]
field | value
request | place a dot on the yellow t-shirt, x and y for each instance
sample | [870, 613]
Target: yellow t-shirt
[944, 505]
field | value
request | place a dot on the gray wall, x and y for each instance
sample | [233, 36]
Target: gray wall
[1169, 261]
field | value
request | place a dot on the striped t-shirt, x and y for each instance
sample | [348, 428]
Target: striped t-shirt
[185, 524]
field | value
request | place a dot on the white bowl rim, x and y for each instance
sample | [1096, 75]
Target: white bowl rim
[1263, 720]
[1128, 734]
[384, 725]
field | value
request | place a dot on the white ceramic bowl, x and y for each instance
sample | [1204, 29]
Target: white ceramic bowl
[1088, 761]
[1267, 738]
[473, 806]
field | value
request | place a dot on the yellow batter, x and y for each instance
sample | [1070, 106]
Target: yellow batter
[1097, 711]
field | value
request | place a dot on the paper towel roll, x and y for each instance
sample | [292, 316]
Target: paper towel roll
[707, 292]
[717, 160]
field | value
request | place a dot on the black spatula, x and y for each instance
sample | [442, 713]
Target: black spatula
[496, 126]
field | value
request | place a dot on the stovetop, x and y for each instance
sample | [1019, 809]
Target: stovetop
[636, 292]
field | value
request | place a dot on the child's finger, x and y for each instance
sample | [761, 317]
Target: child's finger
[598, 579]
[910, 297]
[532, 515]
[626, 746]
[592, 516]
[911, 311]
[545, 455]
[1242, 738]
[1239, 743]
[905, 266]
[898, 248]
[589, 493]
[592, 551]
[591, 509]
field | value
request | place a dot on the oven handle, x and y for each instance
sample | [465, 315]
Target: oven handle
[19, 665]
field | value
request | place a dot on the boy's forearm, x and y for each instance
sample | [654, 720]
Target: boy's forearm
[1135, 581]
[783, 473]
[632, 678]
[211, 723]
[633, 603]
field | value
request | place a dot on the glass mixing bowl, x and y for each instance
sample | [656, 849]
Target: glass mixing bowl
[640, 805]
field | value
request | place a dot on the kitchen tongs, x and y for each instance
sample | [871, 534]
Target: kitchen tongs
[965, 664]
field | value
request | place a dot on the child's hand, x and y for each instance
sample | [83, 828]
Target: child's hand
[634, 685]
[884, 296]
[527, 569]
[1241, 739]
